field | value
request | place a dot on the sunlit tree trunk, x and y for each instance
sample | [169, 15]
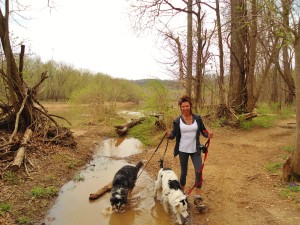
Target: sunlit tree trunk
[295, 161]
[286, 5]
[221, 56]
[199, 64]
[189, 73]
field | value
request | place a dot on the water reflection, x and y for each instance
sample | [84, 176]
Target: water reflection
[74, 208]
[120, 148]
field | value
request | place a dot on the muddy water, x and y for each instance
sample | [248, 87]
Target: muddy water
[74, 208]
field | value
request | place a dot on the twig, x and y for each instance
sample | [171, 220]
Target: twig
[60, 117]
[30, 163]
[26, 170]
[7, 197]
[17, 119]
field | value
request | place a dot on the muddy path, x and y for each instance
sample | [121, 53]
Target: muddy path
[237, 188]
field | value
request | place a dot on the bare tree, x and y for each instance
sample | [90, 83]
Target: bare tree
[23, 108]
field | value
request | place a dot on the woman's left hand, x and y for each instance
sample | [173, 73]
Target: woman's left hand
[210, 135]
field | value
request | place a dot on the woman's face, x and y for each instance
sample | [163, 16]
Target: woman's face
[185, 108]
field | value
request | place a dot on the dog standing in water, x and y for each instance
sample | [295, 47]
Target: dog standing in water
[122, 185]
[172, 194]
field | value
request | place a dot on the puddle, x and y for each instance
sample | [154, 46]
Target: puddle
[118, 148]
[74, 208]
[129, 115]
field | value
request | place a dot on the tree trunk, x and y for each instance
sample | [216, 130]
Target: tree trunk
[121, 130]
[221, 56]
[237, 80]
[199, 64]
[295, 161]
[189, 73]
[286, 5]
[252, 57]
[15, 83]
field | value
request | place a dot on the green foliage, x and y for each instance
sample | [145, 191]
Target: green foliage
[78, 178]
[247, 124]
[268, 114]
[145, 132]
[294, 188]
[291, 191]
[11, 178]
[4, 207]
[160, 99]
[288, 148]
[285, 193]
[157, 97]
[39, 192]
[273, 167]
[70, 165]
[24, 220]
[276, 110]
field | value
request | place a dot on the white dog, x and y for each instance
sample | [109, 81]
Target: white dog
[172, 194]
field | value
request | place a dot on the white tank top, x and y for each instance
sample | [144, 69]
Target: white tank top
[188, 137]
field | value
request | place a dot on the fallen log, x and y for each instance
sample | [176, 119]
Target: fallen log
[21, 151]
[249, 116]
[122, 130]
[101, 192]
[160, 122]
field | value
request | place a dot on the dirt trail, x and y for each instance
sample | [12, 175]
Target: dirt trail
[237, 189]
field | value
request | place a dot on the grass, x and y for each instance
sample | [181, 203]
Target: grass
[273, 167]
[39, 192]
[24, 220]
[11, 178]
[146, 132]
[78, 178]
[4, 207]
[292, 191]
[268, 114]
[288, 148]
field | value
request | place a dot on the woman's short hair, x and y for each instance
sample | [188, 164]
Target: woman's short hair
[185, 98]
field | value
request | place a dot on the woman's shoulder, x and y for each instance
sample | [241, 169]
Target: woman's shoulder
[196, 116]
[176, 120]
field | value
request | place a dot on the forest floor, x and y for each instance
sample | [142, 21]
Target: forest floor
[237, 188]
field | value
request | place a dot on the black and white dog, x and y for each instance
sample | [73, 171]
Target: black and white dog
[172, 194]
[122, 185]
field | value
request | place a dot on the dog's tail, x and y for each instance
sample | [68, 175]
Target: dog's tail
[139, 165]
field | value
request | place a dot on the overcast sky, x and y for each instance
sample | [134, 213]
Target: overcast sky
[91, 34]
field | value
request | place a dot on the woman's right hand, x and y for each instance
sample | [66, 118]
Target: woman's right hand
[168, 133]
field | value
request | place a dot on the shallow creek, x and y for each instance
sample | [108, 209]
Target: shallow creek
[74, 208]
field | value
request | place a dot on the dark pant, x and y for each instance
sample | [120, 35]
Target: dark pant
[197, 162]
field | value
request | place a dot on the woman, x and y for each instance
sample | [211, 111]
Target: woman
[186, 129]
